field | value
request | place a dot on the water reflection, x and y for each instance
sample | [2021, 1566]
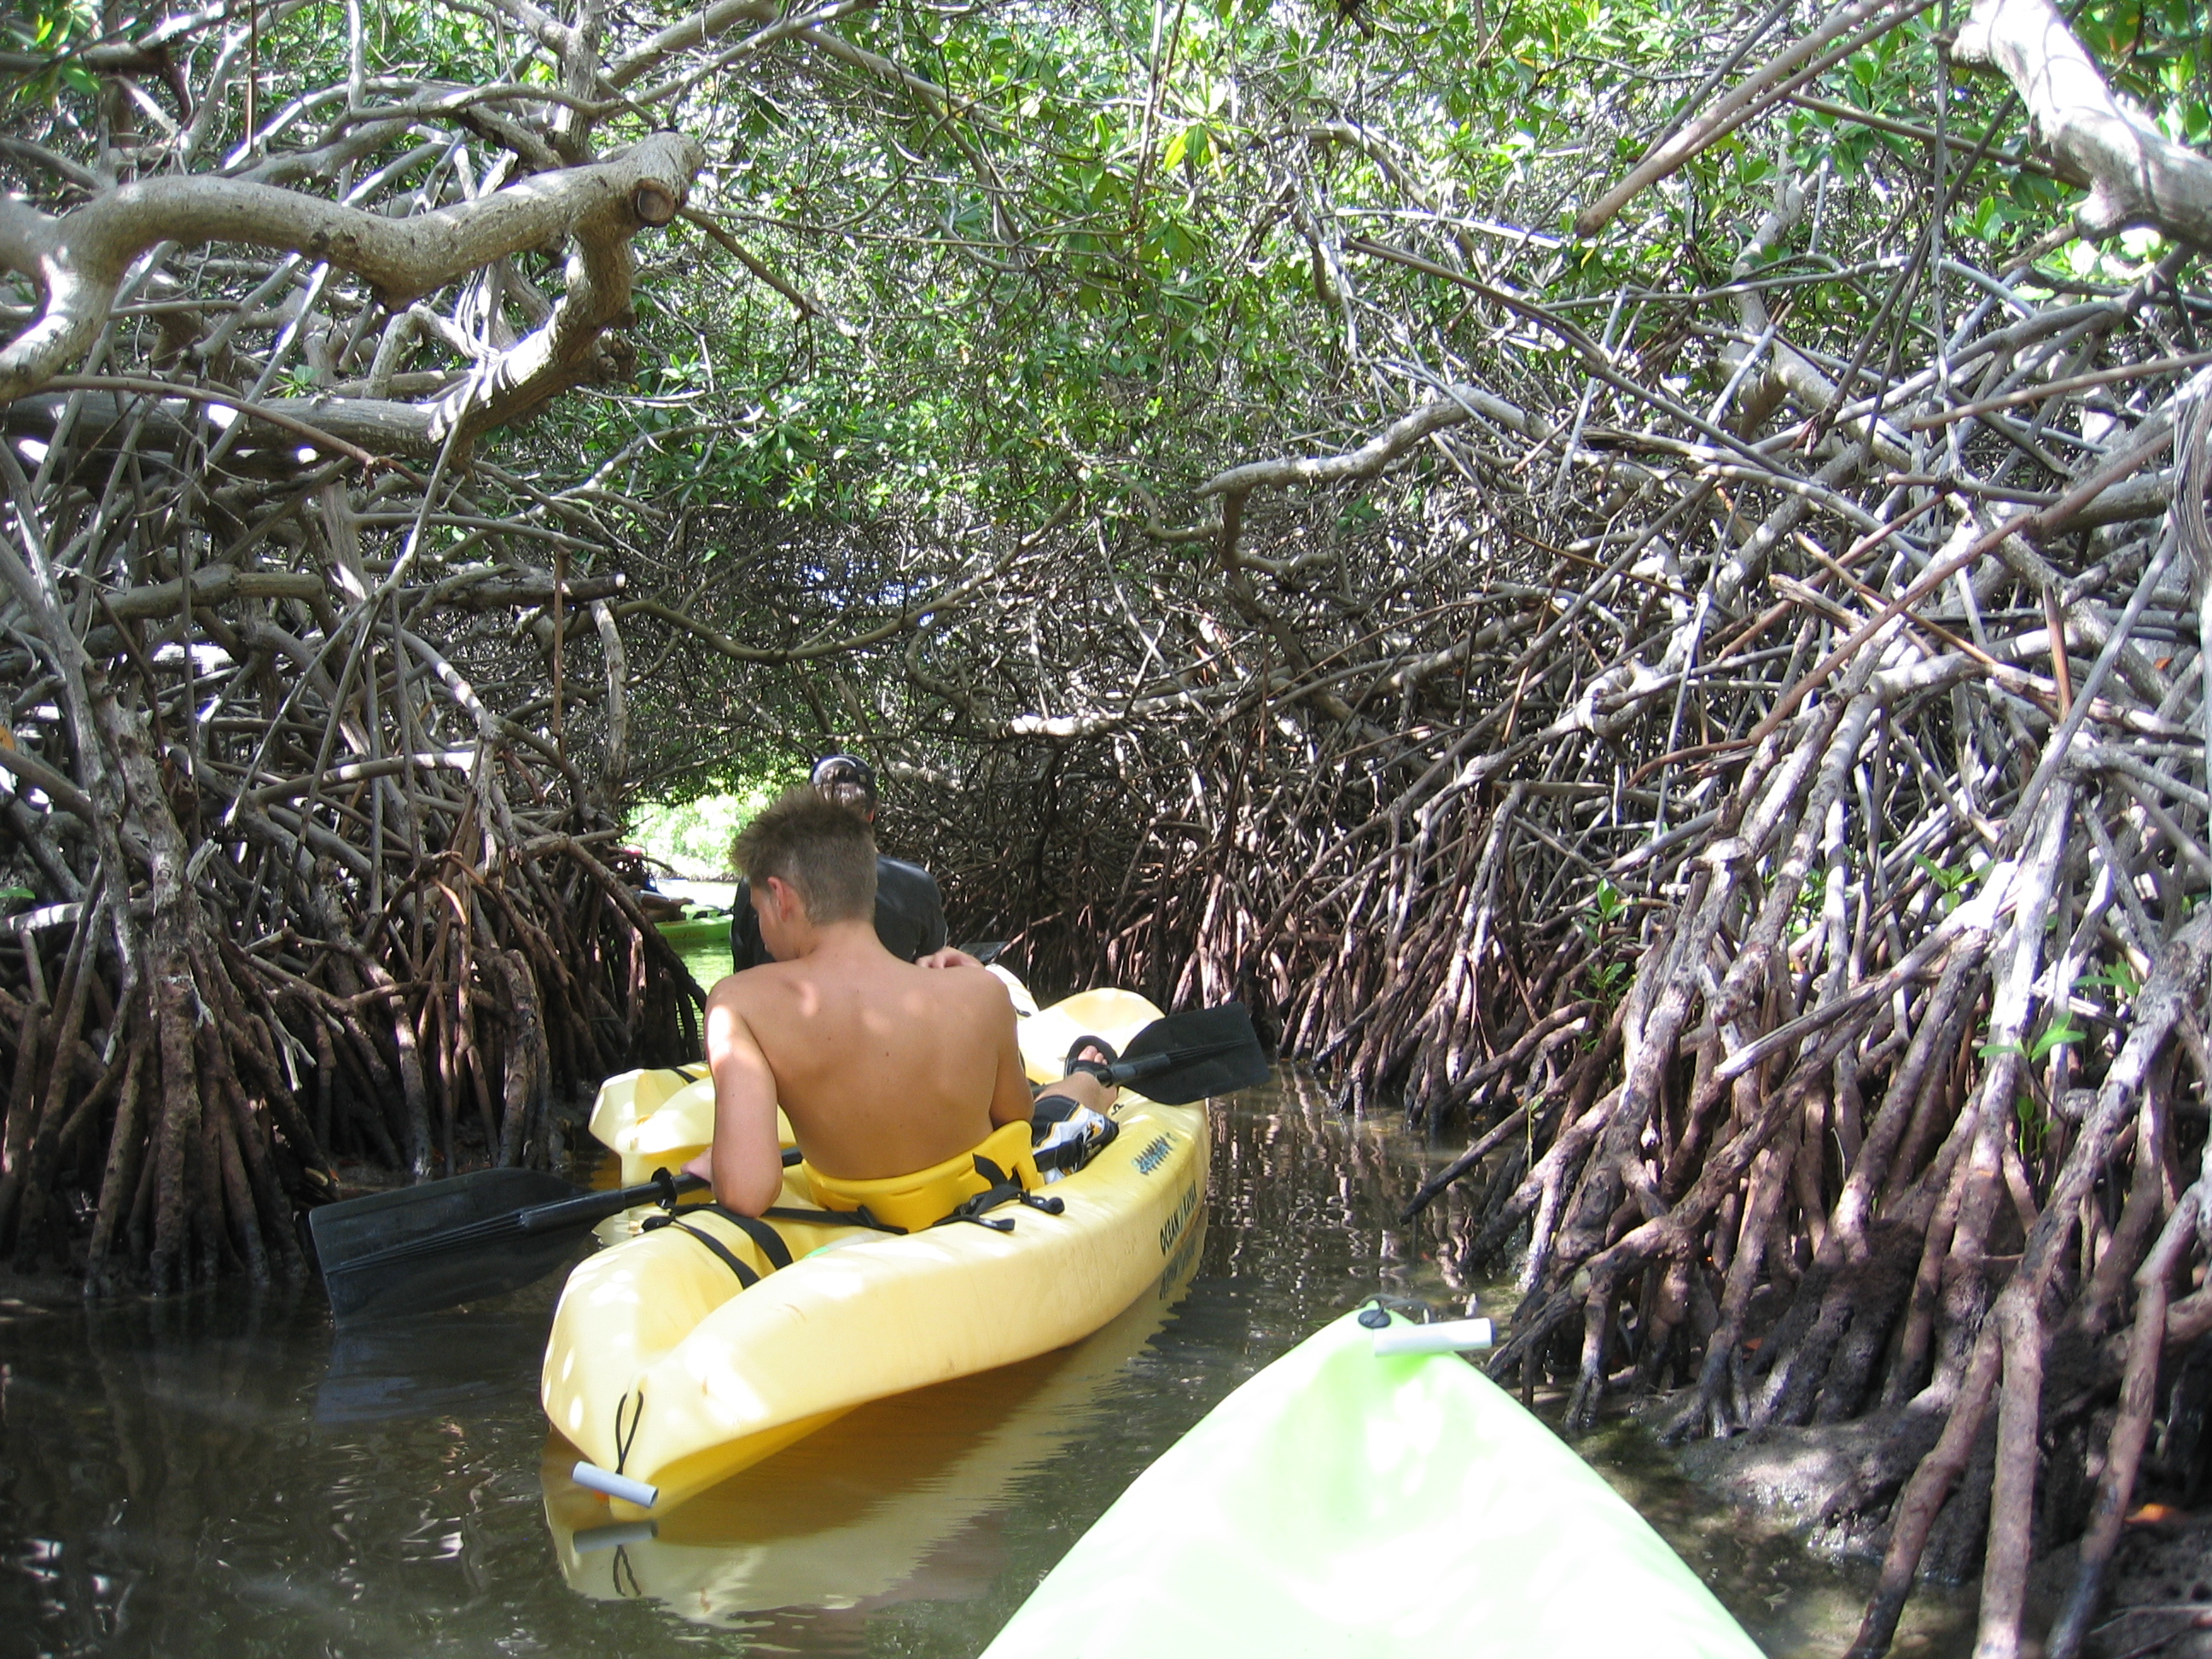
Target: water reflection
[220, 1477]
[461, 1362]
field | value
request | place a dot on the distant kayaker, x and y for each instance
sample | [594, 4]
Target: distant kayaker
[885, 1067]
[910, 910]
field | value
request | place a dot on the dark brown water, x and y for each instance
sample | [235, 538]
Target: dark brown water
[225, 1477]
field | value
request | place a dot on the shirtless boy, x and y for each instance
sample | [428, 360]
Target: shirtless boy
[883, 1067]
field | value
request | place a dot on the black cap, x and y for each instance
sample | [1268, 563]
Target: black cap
[832, 769]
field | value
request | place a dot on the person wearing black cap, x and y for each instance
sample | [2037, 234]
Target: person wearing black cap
[910, 910]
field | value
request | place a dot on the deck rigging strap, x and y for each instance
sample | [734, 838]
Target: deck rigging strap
[765, 1238]
[825, 1216]
[746, 1277]
[1006, 1187]
[770, 1241]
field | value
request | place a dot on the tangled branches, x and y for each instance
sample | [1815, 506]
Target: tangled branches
[1731, 741]
[314, 869]
[317, 890]
[1775, 827]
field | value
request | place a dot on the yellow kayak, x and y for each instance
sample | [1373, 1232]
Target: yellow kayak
[681, 1356]
[865, 1511]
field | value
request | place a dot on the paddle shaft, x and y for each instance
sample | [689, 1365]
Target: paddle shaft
[1167, 1059]
[588, 1208]
[561, 1215]
[585, 1208]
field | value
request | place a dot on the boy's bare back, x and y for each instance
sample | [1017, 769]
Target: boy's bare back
[882, 1067]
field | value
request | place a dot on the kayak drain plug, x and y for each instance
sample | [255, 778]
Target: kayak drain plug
[640, 1492]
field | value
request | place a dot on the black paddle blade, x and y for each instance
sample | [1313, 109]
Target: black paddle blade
[1187, 1057]
[441, 1279]
[349, 1236]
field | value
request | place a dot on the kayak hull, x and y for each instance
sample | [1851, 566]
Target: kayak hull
[1359, 1507]
[859, 1511]
[663, 1368]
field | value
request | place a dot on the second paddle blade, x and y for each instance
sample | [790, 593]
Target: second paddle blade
[347, 1233]
[1210, 1051]
[443, 1279]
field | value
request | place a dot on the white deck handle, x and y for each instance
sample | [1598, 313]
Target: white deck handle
[620, 1486]
[1451, 1336]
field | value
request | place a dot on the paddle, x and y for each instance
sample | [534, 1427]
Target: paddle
[419, 1248]
[1181, 1058]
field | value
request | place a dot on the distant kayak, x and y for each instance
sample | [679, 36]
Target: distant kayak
[698, 931]
[1358, 1507]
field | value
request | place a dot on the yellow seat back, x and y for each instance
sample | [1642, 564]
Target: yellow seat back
[918, 1200]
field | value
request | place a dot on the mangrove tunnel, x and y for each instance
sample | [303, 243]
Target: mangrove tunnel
[1632, 576]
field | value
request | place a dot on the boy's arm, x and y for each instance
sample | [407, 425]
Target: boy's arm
[745, 1162]
[1010, 1090]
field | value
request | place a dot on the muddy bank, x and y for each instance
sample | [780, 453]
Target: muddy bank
[1829, 1487]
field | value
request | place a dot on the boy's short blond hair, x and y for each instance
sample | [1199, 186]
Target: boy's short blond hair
[825, 851]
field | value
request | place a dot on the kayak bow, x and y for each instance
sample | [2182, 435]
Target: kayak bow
[1359, 1505]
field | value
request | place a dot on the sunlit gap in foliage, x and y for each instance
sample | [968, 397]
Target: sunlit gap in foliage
[692, 839]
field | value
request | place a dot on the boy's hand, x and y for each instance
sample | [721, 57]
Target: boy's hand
[948, 957]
